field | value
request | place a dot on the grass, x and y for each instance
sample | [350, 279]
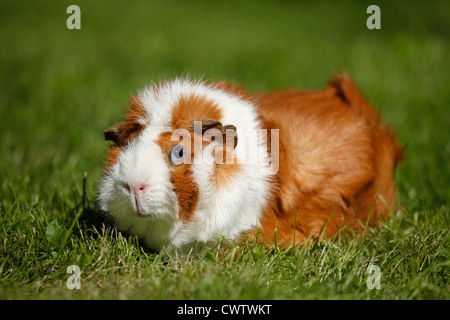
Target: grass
[60, 88]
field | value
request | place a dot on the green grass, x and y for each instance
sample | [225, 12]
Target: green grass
[59, 89]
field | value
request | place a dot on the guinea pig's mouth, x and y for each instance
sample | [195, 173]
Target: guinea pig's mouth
[140, 207]
[141, 215]
[144, 210]
[149, 203]
[137, 210]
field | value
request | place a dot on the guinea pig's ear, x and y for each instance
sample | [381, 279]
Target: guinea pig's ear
[210, 124]
[113, 133]
[230, 136]
[123, 132]
[229, 133]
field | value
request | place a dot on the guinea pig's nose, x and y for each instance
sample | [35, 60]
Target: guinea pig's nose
[136, 188]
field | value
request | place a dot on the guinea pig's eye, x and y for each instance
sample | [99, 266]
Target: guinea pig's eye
[177, 154]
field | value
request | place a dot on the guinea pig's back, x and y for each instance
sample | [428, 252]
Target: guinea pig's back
[334, 160]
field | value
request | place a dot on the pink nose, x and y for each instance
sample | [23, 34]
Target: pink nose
[137, 188]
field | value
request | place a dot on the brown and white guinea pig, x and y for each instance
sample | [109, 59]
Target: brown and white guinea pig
[194, 160]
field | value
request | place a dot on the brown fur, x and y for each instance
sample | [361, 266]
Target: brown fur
[111, 158]
[336, 161]
[193, 108]
[183, 183]
[196, 108]
[186, 190]
[124, 132]
[185, 112]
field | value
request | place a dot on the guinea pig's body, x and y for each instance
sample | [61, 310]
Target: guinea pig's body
[191, 164]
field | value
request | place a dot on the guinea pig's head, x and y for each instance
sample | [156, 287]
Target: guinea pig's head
[174, 176]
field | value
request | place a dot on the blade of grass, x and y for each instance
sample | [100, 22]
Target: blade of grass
[69, 231]
[322, 234]
[368, 219]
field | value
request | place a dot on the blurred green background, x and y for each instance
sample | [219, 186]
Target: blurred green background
[60, 88]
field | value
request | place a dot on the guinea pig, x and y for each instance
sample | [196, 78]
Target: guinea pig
[195, 162]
